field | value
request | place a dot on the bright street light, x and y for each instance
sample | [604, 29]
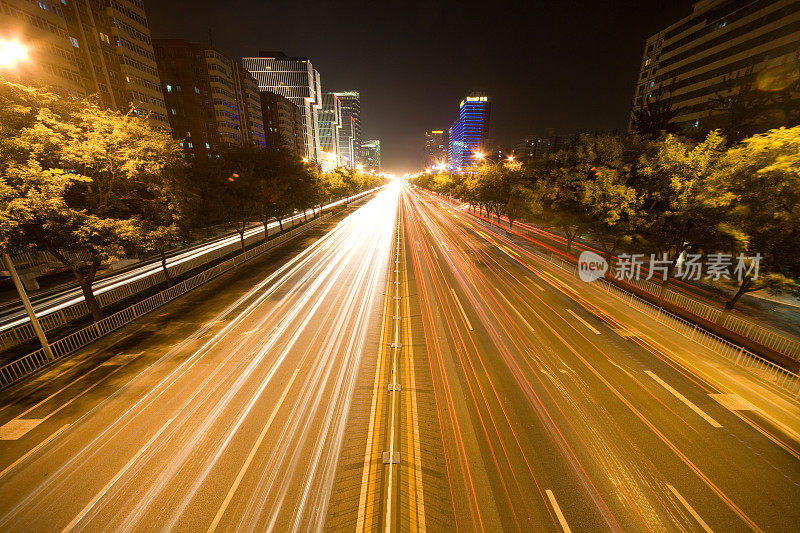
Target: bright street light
[11, 52]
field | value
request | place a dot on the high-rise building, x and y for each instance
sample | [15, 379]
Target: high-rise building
[283, 123]
[212, 101]
[351, 107]
[435, 148]
[85, 47]
[727, 59]
[330, 123]
[371, 155]
[296, 79]
[347, 147]
[468, 133]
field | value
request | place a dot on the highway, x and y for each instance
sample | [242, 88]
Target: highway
[405, 368]
[50, 301]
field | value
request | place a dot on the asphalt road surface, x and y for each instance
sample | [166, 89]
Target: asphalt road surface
[406, 369]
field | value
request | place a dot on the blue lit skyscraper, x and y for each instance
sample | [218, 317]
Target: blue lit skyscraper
[467, 134]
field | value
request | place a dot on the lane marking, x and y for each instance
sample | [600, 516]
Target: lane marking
[690, 509]
[684, 399]
[251, 455]
[31, 452]
[557, 509]
[464, 314]
[585, 323]
[537, 285]
[116, 478]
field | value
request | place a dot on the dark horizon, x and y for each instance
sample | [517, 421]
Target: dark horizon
[447, 51]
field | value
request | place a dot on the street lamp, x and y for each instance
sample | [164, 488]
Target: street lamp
[11, 53]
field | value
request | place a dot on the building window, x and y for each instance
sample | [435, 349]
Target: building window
[197, 90]
[169, 88]
[208, 146]
[74, 42]
[104, 38]
[189, 144]
[173, 111]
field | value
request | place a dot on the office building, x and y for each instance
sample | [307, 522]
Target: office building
[347, 147]
[351, 107]
[83, 48]
[435, 148]
[330, 123]
[283, 123]
[211, 100]
[728, 61]
[467, 135]
[296, 79]
[371, 156]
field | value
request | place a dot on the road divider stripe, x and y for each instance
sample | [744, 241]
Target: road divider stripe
[32, 451]
[251, 455]
[684, 399]
[463, 313]
[91, 504]
[582, 321]
[557, 509]
[690, 509]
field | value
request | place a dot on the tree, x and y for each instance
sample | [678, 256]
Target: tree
[762, 177]
[684, 209]
[653, 119]
[71, 172]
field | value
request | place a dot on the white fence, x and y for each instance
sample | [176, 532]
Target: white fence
[18, 369]
[51, 320]
[773, 339]
[771, 372]
[738, 354]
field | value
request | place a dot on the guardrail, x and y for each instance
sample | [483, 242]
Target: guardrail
[51, 320]
[767, 337]
[24, 366]
[738, 354]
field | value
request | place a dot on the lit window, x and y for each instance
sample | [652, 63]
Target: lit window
[104, 38]
[208, 145]
[189, 145]
[197, 90]
[74, 42]
[173, 111]
[169, 88]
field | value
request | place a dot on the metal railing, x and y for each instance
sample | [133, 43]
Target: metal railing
[53, 319]
[782, 343]
[24, 366]
[738, 354]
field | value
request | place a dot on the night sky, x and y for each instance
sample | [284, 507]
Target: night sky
[568, 65]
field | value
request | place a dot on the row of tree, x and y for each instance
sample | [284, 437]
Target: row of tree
[665, 196]
[78, 181]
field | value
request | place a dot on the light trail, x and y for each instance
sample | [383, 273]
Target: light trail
[72, 296]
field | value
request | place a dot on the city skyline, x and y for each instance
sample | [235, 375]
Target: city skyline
[403, 97]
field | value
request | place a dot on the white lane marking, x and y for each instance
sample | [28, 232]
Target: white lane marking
[116, 478]
[250, 456]
[690, 509]
[591, 328]
[464, 314]
[733, 402]
[537, 286]
[45, 441]
[557, 509]
[17, 428]
[515, 310]
[685, 400]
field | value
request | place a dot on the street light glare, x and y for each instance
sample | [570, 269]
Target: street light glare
[11, 52]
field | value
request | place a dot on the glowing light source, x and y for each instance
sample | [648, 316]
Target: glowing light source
[11, 52]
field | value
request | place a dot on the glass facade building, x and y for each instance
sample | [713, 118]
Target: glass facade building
[371, 155]
[330, 123]
[468, 133]
[351, 107]
[296, 79]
